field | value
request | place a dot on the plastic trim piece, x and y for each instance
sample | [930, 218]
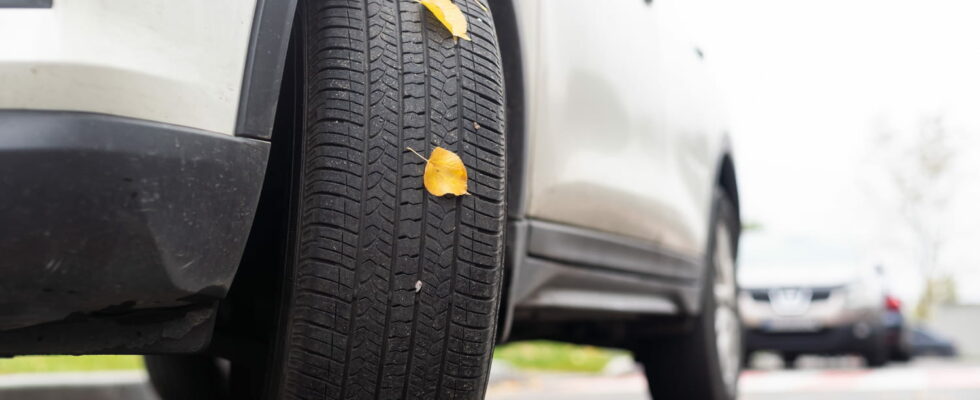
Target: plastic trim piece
[514, 259]
[104, 216]
[553, 267]
[263, 68]
[555, 286]
[517, 147]
[581, 246]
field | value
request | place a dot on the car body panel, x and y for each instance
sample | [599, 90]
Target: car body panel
[620, 157]
[623, 135]
[173, 61]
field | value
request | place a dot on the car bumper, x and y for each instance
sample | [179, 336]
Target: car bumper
[850, 338]
[104, 215]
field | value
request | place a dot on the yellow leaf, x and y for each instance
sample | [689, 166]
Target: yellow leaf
[450, 16]
[444, 173]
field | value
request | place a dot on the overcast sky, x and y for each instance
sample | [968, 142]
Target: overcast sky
[808, 84]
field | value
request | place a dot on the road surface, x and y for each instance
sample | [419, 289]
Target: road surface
[920, 380]
[816, 380]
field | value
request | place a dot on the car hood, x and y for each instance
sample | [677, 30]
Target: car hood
[768, 277]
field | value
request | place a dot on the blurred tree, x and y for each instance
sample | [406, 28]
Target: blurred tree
[938, 290]
[919, 171]
[752, 226]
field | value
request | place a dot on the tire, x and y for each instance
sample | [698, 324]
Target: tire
[898, 348]
[687, 365]
[789, 360]
[876, 355]
[901, 355]
[392, 293]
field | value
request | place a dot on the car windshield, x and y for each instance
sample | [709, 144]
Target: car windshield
[759, 251]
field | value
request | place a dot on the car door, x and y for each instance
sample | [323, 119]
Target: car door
[617, 142]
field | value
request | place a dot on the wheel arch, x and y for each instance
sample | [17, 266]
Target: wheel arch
[727, 183]
[509, 38]
[264, 64]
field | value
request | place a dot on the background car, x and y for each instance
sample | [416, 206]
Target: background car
[805, 296]
[898, 332]
[237, 188]
[925, 342]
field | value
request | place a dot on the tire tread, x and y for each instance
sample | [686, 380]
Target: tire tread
[384, 75]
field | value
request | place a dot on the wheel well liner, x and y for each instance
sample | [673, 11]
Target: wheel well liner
[508, 37]
[264, 64]
[729, 186]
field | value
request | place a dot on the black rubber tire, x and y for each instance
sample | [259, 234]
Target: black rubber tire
[789, 360]
[876, 355]
[686, 365]
[900, 355]
[392, 293]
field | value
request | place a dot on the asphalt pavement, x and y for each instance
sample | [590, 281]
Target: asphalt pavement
[816, 379]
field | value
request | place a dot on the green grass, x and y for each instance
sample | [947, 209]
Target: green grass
[540, 355]
[26, 364]
[555, 356]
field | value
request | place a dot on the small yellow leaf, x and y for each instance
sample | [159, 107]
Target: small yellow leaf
[444, 173]
[450, 16]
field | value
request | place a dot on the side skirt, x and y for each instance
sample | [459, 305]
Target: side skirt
[560, 274]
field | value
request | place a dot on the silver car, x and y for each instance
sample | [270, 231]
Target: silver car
[246, 180]
[803, 296]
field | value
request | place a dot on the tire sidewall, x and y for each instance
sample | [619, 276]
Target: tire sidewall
[724, 218]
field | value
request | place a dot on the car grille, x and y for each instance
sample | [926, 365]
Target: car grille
[819, 294]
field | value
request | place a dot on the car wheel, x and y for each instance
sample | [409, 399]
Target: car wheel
[876, 355]
[901, 355]
[704, 363]
[392, 292]
[789, 360]
[747, 359]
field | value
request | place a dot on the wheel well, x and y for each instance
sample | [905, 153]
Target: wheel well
[253, 299]
[729, 186]
[508, 37]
